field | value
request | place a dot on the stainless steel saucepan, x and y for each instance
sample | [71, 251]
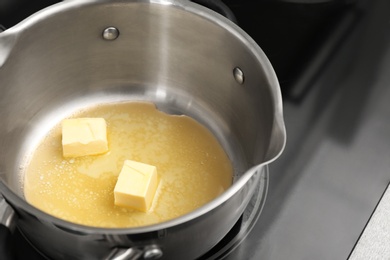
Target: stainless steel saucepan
[183, 57]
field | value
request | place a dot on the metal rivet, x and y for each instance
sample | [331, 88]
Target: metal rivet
[152, 253]
[239, 75]
[110, 33]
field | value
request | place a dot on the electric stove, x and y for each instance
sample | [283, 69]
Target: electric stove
[332, 59]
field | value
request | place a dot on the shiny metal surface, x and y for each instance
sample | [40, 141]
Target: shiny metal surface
[245, 225]
[124, 254]
[110, 33]
[239, 75]
[176, 54]
[7, 215]
[336, 166]
[153, 252]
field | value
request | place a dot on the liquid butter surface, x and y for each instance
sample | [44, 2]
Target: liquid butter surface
[192, 168]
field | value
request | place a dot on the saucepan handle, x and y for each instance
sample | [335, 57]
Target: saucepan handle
[7, 226]
[152, 252]
[124, 254]
[219, 7]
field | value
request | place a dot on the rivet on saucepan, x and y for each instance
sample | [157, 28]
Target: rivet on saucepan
[152, 253]
[110, 33]
[239, 75]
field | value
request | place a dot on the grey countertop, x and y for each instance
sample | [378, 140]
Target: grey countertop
[374, 242]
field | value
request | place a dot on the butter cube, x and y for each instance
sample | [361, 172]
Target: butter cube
[136, 186]
[84, 136]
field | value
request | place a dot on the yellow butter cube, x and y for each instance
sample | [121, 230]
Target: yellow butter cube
[136, 186]
[84, 136]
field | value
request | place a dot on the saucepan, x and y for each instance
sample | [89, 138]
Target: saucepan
[181, 56]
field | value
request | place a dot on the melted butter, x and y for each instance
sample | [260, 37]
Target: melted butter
[192, 167]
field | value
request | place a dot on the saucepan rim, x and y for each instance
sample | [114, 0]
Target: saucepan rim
[18, 202]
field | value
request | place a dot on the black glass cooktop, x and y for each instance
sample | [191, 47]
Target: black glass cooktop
[332, 60]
